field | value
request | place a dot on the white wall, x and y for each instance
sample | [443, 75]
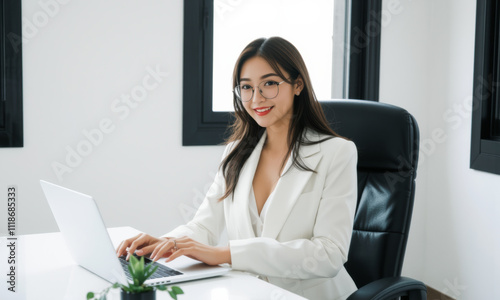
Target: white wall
[79, 57]
[427, 68]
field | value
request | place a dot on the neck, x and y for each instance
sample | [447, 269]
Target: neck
[277, 138]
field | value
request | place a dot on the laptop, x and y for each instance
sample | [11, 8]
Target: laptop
[88, 241]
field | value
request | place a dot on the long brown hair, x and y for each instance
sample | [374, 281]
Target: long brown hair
[307, 112]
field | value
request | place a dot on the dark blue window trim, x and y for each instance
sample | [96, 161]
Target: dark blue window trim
[485, 131]
[11, 87]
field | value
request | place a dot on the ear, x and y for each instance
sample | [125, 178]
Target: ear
[298, 86]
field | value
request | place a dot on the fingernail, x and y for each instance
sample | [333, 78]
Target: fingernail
[138, 252]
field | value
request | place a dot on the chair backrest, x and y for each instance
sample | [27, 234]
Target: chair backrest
[387, 138]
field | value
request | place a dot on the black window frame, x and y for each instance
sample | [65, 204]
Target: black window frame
[11, 88]
[485, 145]
[203, 126]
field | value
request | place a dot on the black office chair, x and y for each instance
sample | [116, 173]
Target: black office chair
[387, 138]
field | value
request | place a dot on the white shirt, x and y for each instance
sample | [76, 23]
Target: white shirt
[256, 219]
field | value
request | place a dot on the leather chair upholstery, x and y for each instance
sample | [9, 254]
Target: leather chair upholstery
[387, 139]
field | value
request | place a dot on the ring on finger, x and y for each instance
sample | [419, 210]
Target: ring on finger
[175, 245]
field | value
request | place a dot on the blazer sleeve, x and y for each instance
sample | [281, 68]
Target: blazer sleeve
[208, 222]
[324, 254]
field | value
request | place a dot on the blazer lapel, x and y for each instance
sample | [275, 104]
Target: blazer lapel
[288, 190]
[240, 216]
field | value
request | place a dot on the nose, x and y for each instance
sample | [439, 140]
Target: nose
[257, 96]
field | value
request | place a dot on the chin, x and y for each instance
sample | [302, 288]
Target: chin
[263, 123]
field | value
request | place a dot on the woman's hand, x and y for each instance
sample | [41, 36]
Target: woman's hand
[186, 246]
[144, 243]
[173, 248]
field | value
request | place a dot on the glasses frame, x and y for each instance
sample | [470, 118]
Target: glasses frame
[253, 91]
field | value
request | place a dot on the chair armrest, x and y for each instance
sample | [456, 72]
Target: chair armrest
[391, 288]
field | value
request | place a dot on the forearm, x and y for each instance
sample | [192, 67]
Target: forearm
[300, 259]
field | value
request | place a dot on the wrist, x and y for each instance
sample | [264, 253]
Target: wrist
[225, 255]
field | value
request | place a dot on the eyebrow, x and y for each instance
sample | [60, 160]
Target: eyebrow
[261, 77]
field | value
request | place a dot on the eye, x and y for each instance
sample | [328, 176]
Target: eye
[245, 87]
[270, 83]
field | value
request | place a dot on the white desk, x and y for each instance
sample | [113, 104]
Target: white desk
[45, 270]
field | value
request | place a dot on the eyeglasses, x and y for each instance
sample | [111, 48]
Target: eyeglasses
[269, 89]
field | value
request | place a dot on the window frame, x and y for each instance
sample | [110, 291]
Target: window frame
[203, 126]
[485, 147]
[364, 58]
[11, 90]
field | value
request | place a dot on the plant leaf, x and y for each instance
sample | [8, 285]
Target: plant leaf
[161, 287]
[177, 290]
[147, 269]
[131, 270]
[173, 295]
[140, 266]
[90, 295]
[150, 272]
[134, 262]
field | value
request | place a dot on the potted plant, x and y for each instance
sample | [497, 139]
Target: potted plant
[137, 290]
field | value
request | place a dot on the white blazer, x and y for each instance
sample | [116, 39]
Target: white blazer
[308, 226]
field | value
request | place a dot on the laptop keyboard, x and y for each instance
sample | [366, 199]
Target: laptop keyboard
[161, 272]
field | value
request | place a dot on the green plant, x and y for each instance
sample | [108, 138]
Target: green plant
[140, 273]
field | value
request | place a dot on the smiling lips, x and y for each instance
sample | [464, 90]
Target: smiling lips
[262, 111]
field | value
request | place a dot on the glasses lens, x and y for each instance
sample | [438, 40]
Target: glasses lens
[244, 92]
[269, 89]
[237, 92]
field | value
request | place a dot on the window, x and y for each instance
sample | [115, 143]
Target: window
[235, 26]
[11, 103]
[485, 132]
[204, 125]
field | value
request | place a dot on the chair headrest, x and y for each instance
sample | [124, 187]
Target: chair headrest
[386, 136]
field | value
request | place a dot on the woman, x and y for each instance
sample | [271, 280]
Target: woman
[286, 189]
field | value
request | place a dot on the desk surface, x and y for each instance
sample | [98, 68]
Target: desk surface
[45, 270]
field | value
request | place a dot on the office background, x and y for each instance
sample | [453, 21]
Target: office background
[80, 63]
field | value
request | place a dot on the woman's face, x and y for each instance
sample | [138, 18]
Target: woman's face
[269, 113]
